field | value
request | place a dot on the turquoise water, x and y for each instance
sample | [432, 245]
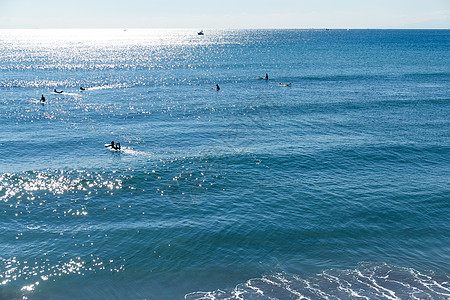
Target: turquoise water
[334, 187]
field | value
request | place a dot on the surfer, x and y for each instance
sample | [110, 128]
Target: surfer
[115, 146]
[82, 89]
[42, 98]
[57, 91]
[215, 88]
[285, 84]
[265, 78]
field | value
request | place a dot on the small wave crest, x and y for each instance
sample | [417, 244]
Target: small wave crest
[366, 282]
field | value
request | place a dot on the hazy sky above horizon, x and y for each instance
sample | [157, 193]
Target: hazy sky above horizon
[224, 14]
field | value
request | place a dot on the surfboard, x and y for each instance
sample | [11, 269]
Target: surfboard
[108, 146]
[37, 101]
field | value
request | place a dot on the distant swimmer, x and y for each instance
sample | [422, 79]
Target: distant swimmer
[55, 91]
[82, 89]
[42, 98]
[285, 84]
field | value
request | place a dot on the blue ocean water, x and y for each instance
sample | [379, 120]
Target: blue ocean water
[335, 187]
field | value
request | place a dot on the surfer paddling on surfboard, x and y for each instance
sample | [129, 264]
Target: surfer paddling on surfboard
[113, 146]
[217, 88]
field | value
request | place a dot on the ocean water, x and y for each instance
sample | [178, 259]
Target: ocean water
[336, 187]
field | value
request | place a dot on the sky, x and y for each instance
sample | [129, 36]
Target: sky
[225, 14]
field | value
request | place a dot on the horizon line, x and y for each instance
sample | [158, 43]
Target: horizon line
[217, 28]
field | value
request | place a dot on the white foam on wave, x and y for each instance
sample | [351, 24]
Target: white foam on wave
[379, 288]
[366, 282]
[429, 283]
[131, 151]
[205, 295]
[105, 87]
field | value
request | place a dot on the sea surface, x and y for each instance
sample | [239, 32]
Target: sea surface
[335, 187]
